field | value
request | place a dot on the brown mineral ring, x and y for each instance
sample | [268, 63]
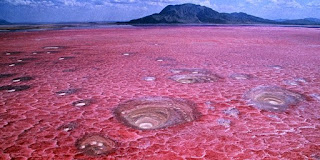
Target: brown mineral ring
[272, 98]
[196, 78]
[155, 112]
[96, 145]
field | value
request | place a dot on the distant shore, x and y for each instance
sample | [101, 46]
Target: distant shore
[64, 26]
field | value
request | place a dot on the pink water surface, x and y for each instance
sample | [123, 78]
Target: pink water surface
[109, 66]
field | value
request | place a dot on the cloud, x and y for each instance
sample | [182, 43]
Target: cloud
[314, 4]
[73, 3]
[20, 2]
[253, 2]
[91, 3]
[30, 2]
[286, 3]
[206, 3]
[293, 4]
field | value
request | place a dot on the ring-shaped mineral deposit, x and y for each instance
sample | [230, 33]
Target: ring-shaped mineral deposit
[53, 47]
[82, 103]
[68, 92]
[96, 145]
[272, 98]
[155, 112]
[189, 71]
[195, 78]
[6, 75]
[241, 76]
[10, 88]
[22, 79]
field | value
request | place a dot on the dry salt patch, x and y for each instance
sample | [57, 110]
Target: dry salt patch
[11, 53]
[127, 54]
[316, 96]
[69, 70]
[195, 78]
[166, 59]
[189, 71]
[234, 112]
[69, 126]
[296, 82]
[241, 76]
[210, 105]
[67, 92]
[22, 79]
[53, 47]
[65, 58]
[16, 64]
[82, 103]
[7, 75]
[149, 78]
[26, 59]
[224, 122]
[52, 52]
[37, 52]
[11, 88]
[276, 67]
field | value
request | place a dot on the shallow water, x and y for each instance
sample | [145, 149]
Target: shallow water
[69, 105]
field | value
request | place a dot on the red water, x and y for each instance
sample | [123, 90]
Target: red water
[33, 121]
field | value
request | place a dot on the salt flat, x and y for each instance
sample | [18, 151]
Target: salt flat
[186, 92]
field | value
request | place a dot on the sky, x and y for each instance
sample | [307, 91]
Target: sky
[19, 11]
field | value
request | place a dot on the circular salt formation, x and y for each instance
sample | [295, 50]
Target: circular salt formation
[6, 75]
[81, 103]
[10, 88]
[155, 112]
[149, 78]
[67, 92]
[96, 145]
[26, 59]
[16, 64]
[272, 98]
[53, 47]
[241, 76]
[69, 126]
[195, 78]
[65, 58]
[11, 53]
[21, 79]
[190, 71]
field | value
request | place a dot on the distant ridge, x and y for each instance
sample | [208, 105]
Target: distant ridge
[195, 14]
[4, 22]
[305, 21]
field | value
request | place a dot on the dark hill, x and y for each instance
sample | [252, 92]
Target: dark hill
[191, 13]
[4, 22]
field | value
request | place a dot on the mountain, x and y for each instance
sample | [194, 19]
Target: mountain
[305, 21]
[191, 13]
[4, 22]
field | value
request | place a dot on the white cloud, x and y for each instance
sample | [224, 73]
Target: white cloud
[163, 3]
[30, 2]
[206, 3]
[253, 2]
[286, 3]
[90, 3]
[315, 4]
[228, 8]
[73, 3]
[19, 2]
[293, 4]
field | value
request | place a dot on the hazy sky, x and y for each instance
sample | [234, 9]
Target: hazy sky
[121, 10]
